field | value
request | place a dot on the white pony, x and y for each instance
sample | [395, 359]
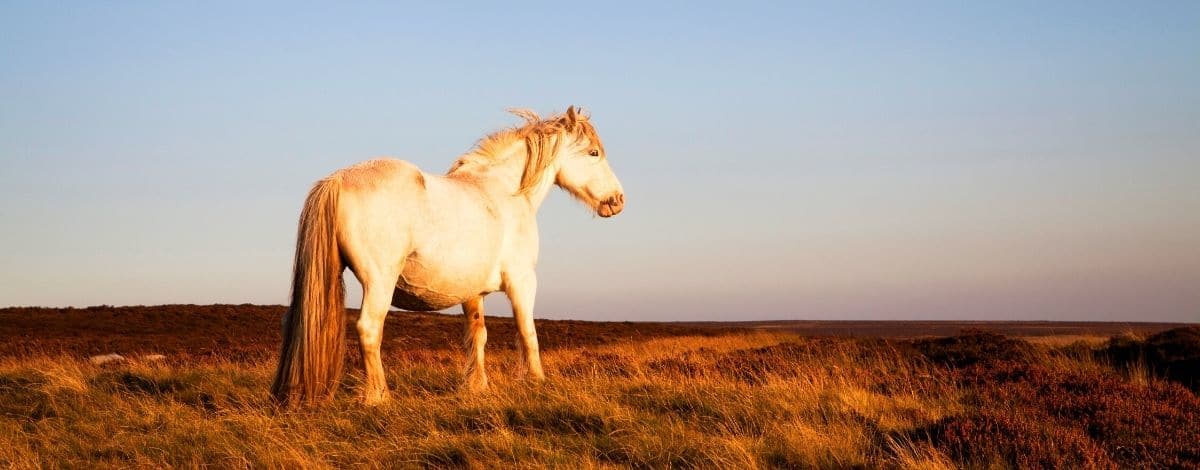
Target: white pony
[426, 242]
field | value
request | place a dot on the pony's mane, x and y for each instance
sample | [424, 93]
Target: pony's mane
[542, 141]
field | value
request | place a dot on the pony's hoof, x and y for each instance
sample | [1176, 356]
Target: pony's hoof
[375, 399]
[475, 384]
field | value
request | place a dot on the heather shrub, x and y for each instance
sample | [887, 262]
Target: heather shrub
[1173, 354]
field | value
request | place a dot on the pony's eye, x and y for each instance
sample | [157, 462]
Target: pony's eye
[594, 153]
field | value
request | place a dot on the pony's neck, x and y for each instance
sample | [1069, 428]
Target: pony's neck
[501, 170]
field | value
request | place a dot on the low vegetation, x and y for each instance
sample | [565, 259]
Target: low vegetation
[734, 401]
[1173, 354]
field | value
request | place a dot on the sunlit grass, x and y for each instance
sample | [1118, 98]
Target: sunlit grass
[736, 401]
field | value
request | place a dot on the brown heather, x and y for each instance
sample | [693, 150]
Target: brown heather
[671, 398]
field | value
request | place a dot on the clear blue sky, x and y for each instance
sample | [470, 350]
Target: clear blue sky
[899, 160]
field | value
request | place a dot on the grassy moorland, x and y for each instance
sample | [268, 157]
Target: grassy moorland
[667, 398]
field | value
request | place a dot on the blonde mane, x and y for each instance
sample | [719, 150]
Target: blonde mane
[542, 141]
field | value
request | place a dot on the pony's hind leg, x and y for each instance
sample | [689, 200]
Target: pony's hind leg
[475, 377]
[377, 297]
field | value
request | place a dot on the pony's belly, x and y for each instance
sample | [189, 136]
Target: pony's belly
[422, 300]
[429, 293]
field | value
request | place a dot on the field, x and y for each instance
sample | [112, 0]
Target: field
[762, 395]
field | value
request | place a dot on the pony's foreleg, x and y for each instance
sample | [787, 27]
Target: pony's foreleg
[377, 296]
[474, 375]
[521, 291]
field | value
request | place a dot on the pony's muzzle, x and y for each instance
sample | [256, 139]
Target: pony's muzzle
[611, 206]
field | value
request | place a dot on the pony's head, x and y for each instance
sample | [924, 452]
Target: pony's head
[565, 148]
[581, 165]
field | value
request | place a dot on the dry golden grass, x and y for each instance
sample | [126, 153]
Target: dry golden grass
[738, 401]
[1065, 340]
[611, 406]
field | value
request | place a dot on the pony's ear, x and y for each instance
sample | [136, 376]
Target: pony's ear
[572, 118]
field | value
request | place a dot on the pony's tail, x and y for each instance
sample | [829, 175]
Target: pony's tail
[314, 336]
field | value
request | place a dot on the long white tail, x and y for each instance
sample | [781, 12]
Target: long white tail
[314, 336]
